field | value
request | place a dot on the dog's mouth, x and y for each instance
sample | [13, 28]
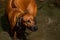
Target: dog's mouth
[33, 28]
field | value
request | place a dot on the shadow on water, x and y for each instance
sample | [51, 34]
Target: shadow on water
[21, 34]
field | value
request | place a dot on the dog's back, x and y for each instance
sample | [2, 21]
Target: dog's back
[20, 6]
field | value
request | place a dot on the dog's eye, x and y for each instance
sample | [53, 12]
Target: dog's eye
[28, 21]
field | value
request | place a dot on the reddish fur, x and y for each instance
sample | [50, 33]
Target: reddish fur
[21, 6]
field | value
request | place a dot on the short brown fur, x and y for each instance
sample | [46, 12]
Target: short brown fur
[21, 6]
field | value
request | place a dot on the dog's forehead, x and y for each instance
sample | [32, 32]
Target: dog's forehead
[28, 17]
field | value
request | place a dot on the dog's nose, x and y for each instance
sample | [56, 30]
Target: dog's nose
[34, 28]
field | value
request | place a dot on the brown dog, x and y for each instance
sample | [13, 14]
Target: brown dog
[25, 9]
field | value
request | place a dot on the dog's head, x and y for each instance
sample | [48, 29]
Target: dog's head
[28, 21]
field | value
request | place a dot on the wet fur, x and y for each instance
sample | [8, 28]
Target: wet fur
[16, 8]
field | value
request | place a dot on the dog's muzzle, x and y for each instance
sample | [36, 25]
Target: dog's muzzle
[33, 28]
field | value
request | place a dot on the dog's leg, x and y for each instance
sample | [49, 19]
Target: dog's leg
[15, 38]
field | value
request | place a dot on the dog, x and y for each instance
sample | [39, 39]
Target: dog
[21, 13]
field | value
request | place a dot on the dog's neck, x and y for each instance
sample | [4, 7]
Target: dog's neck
[19, 21]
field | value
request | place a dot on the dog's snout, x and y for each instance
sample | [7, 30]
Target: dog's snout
[34, 28]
